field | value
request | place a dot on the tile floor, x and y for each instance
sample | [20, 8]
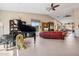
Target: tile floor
[52, 47]
[48, 47]
[4, 52]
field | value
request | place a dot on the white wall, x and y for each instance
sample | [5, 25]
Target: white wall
[5, 16]
[76, 18]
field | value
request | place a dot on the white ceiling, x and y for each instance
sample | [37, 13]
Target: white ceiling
[25, 7]
[40, 8]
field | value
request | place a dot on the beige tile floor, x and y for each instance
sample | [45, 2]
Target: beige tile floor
[47, 47]
[51, 47]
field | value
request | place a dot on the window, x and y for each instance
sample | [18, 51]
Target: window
[36, 24]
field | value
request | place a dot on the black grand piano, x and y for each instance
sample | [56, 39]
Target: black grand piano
[27, 29]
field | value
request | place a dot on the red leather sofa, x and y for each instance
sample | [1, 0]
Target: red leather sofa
[52, 35]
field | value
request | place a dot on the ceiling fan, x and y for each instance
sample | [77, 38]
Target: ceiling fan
[67, 15]
[52, 7]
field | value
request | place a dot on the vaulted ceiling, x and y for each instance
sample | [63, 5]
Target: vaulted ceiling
[41, 8]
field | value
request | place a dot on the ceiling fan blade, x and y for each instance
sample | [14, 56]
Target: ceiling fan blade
[53, 9]
[49, 8]
[51, 4]
[67, 16]
[56, 6]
